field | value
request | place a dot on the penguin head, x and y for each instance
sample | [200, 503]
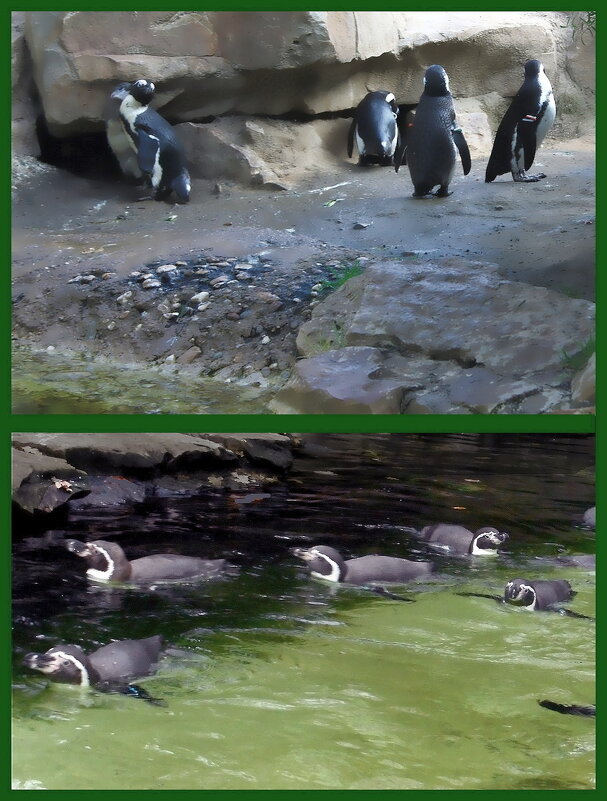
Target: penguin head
[391, 101]
[323, 562]
[142, 91]
[106, 561]
[520, 593]
[436, 81]
[533, 67]
[63, 663]
[487, 540]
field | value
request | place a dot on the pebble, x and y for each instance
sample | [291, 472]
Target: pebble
[199, 297]
[219, 281]
[166, 268]
[151, 283]
[125, 297]
[360, 225]
[203, 307]
[170, 359]
[81, 279]
[111, 325]
[265, 339]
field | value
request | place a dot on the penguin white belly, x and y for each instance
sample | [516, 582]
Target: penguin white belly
[545, 124]
[123, 148]
[359, 143]
[157, 171]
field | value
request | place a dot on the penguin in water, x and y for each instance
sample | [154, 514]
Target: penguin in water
[326, 563]
[523, 128]
[375, 129]
[108, 669]
[107, 561]
[160, 155]
[537, 595]
[458, 540]
[433, 138]
[118, 139]
[588, 711]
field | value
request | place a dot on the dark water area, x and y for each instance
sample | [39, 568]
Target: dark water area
[269, 669]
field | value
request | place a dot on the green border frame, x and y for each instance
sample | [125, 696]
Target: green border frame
[549, 424]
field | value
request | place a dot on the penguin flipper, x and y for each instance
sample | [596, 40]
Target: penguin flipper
[400, 154]
[148, 146]
[351, 138]
[526, 133]
[462, 146]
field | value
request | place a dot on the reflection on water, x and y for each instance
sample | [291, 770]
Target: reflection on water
[275, 680]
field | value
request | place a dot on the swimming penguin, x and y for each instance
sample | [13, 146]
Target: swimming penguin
[160, 155]
[118, 139]
[375, 129]
[537, 595]
[107, 562]
[433, 138]
[457, 539]
[523, 127]
[118, 661]
[588, 711]
[326, 563]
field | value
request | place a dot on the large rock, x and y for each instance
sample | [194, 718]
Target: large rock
[395, 339]
[213, 63]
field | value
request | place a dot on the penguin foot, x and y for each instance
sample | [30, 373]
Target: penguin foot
[443, 192]
[522, 177]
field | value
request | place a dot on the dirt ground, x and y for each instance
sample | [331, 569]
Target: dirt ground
[65, 225]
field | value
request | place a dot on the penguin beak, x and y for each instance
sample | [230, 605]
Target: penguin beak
[77, 547]
[119, 94]
[36, 661]
[302, 553]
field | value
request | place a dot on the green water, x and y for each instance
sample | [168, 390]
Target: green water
[70, 384]
[437, 694]
[276, 680]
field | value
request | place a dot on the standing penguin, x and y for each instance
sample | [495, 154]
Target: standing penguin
[375, 129]
[117, 137]
[524, 126]
[160, 155]
[434, 138]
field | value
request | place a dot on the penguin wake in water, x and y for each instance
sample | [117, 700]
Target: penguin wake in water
[108, 669]
[523, 128]
[107, 561]
[536, 595]
[375, 129]
[118, 139]
[326, 563]
[433, 138]
[160, 155]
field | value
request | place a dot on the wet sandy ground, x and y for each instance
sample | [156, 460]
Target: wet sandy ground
[539, 233]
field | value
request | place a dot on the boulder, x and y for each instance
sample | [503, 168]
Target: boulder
[402, 323]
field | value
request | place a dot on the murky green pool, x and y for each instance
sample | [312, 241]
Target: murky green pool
[274, 680]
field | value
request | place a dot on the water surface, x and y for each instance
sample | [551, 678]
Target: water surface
[274, 680]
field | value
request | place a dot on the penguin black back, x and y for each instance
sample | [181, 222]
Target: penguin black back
[434, 138]
[375, 128]
[160, 154]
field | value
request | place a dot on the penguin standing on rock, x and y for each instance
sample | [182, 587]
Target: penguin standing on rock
[375, 129]
[433, 138]
[523, 128]
[160, 154]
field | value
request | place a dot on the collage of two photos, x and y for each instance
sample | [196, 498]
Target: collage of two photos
[355, 235]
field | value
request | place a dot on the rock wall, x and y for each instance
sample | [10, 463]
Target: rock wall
[213, 64]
